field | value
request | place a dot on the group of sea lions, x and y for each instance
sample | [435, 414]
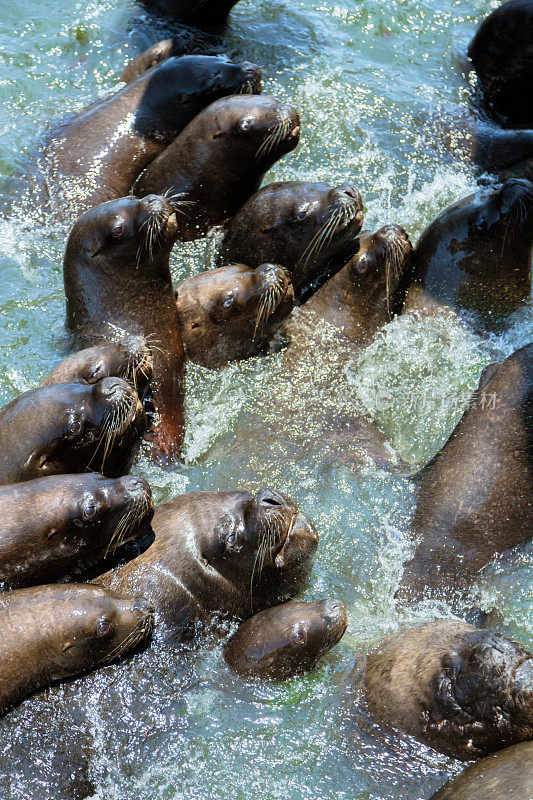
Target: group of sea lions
[180, 146]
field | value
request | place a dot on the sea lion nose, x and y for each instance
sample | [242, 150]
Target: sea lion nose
[155, 203]
[523, 679]
[269, 498]
[350, 193]
[113, 389]
[138, 487]
[143, 607]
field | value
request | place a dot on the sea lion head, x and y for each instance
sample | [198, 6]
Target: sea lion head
[230, 312]
[257, 126]
[300, 226]
[286, 640]
[258, 543]
[82, 520]
[129, 232]
[70, 427]
[383, 260]
[483, 696]
[191, 83]
[98, 627]
[127, 357]
[109, 511]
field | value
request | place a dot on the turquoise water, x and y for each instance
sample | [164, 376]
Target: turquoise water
[173, 724]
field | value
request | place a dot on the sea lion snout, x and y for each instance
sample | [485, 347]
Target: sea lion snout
[269, 498]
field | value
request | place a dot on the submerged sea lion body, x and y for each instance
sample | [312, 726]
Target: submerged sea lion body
[466, 692]
[230, 553]
[53, 633]
[116, 273]
[476, 496]
[220, 159]
[476, 254]
[230, 313]
[98, 155]
[286, 640]
[300, 226]
[70, 427]
[55, 528]
[506, 774]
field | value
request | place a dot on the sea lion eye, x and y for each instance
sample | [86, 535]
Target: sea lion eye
[102, 626]
[231, 539]
[228, 300]
[245, 124]
[76, 427]
[96, 374]
[301, 215]
[300, 637]
[117, 231]
[89, 512]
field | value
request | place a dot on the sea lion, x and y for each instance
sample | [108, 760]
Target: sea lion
[463, 691]
[230, 313]
[502, 55]
[366, 293]
[220, 159]
[98, 155]
[476, 254]
[128, 357]
[300, 226]
[68, 428]
[52, 633]
[506, 774]
[309, 411]
[203, 13]
[63, 526]
[475, 496]
[286, 640]
[116, 273]
[230, 553]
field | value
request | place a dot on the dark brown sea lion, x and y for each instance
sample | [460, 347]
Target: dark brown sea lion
[463, 691]
[128, 357]
[98, 155]
[70, 427]
[286, 640]
[476, 496]
[230, 553]
[506, 775]
[52, 633]
[502, 55]
[365, 294]
[63, 526]
[116, 272]
[220, 159]
[154, 55]
[476, 254]
[203, 13]
[230, 313]
[300, 226]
